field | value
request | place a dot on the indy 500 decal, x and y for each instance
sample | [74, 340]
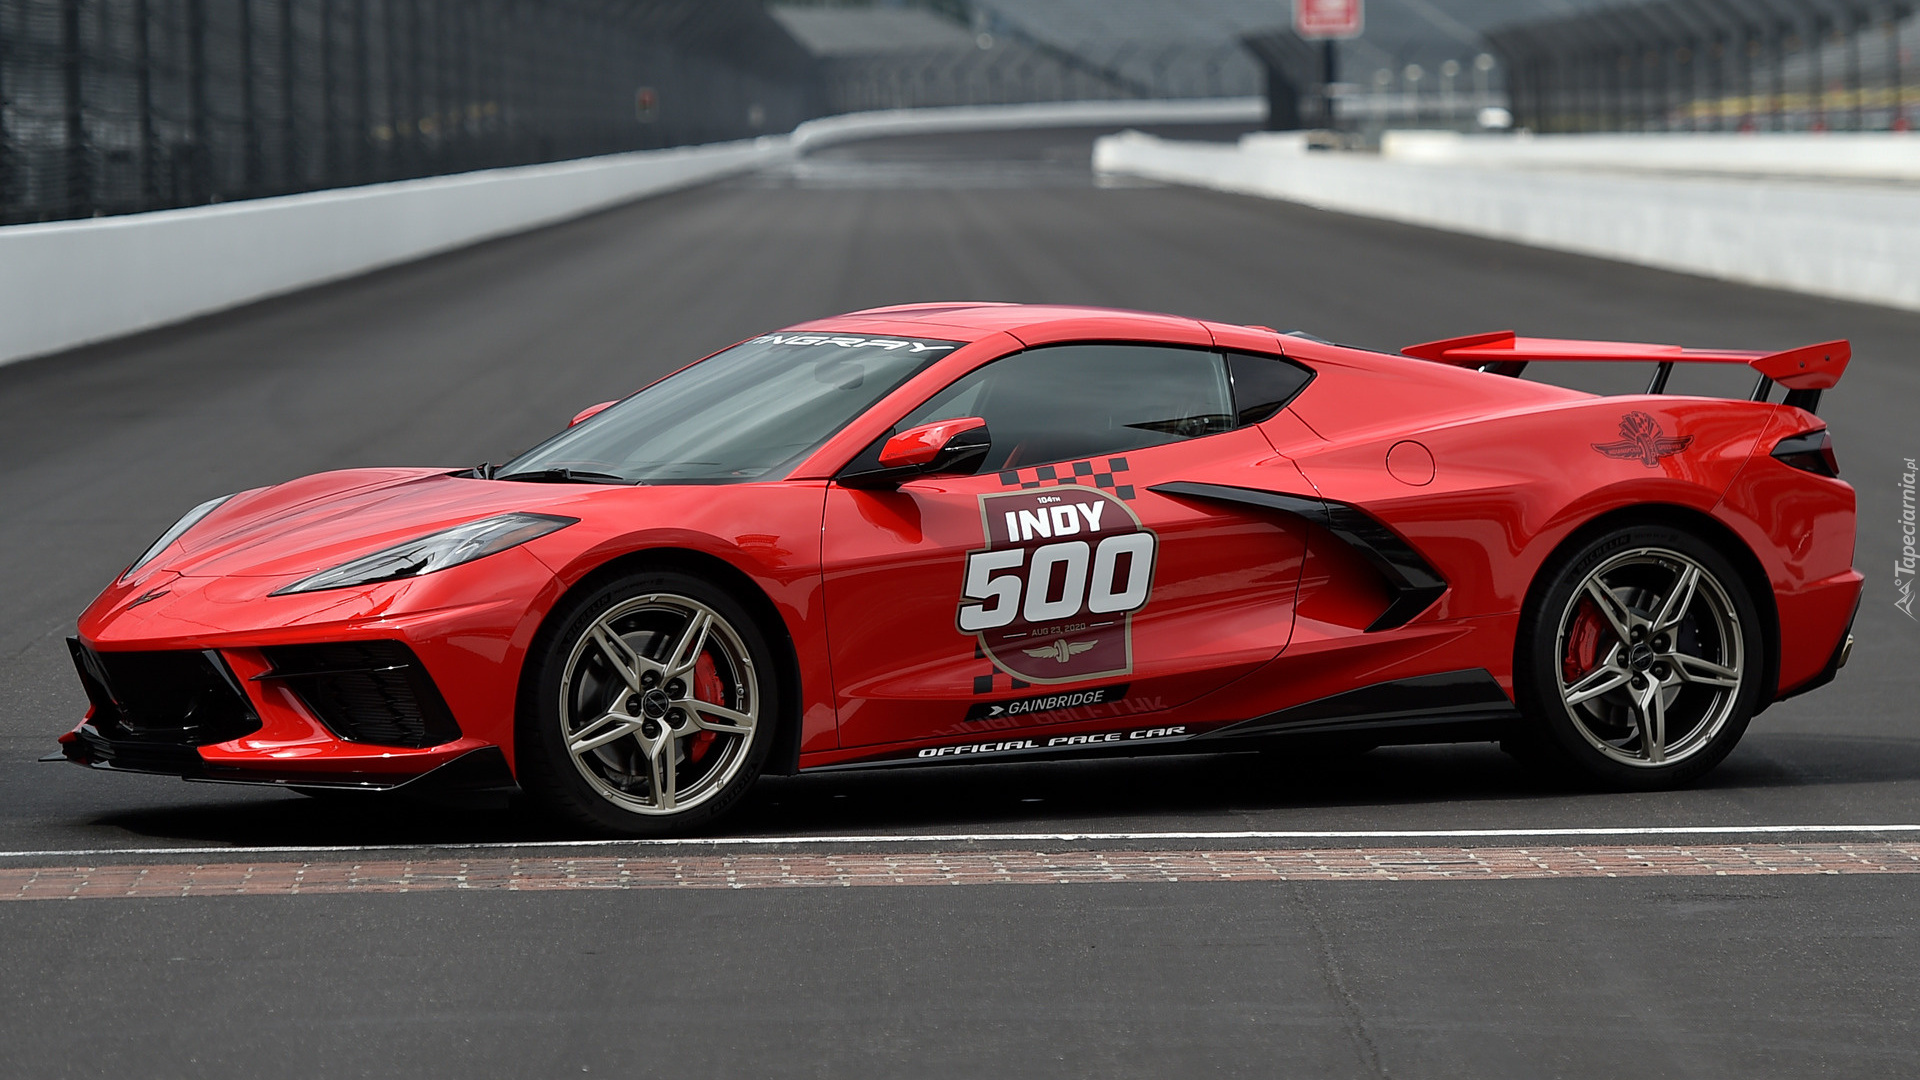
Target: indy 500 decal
[1051, 597]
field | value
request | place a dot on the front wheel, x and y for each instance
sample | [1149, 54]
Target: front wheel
[1640, 663]
[651, 709]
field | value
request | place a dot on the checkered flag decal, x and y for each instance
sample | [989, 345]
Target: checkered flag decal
[1103, 473]
[994, 681]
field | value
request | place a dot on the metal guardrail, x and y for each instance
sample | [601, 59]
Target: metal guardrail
[115, 106]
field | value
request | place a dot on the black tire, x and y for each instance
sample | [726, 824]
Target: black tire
[1659, 706]
[656, 778]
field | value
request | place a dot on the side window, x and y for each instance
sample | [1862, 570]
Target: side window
[1262, 385]
[1065, 402]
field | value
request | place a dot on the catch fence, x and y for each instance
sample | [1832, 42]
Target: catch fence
[116, 106]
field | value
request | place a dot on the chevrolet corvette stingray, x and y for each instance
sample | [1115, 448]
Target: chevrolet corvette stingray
[947, 533]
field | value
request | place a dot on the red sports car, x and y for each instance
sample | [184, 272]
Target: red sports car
[947, 533]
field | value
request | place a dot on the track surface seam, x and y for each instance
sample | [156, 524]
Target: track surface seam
[804, 870]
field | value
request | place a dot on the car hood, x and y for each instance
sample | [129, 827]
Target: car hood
[317, 522]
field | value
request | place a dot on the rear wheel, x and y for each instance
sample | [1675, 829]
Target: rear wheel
[1639, 665]
[651, 709]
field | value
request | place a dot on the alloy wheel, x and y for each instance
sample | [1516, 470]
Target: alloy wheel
[659, 704]
[1649, 658]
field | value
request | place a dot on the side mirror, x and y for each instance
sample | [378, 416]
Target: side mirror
[591, 411]
[942, 448]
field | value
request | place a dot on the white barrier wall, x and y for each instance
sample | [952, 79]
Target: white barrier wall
[70, 283]
[872, 125]
[1859, 155]
[1845, 240]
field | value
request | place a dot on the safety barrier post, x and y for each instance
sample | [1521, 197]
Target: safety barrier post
[79, 181]
[251, 163]
[6, 135]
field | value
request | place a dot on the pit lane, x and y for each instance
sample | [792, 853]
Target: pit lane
[464, 357]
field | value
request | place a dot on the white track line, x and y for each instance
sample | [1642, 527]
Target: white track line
[950, 838]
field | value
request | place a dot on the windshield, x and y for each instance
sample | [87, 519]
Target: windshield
[749, 413]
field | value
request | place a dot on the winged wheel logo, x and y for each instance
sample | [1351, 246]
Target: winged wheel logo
[1062, 650]
[1642, 440]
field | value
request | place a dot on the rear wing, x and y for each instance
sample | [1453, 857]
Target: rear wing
[1804, 371]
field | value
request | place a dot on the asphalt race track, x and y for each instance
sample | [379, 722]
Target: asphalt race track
[956, 968]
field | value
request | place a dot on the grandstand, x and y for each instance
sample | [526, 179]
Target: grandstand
[912, 57]
[1717, 65]
[1418, 61]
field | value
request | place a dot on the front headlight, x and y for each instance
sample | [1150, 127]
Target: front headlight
[435, 551]
[179, 529]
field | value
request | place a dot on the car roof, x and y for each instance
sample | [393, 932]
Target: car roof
[970, 321]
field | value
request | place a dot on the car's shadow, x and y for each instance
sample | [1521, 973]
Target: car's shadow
[1469, 785]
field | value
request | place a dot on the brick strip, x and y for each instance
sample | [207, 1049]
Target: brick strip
[808, 870]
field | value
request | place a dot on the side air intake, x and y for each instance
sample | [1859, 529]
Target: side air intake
[1415, 583]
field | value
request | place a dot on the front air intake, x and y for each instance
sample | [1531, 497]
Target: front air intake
[366, 692]
[178, 699]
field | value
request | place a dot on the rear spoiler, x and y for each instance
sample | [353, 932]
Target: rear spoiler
[1804, 371]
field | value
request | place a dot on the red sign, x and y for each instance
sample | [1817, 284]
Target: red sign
[1319, 19]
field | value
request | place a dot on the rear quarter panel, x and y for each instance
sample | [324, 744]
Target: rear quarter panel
[1802, 527]
[1506, 489]
[1518, 468]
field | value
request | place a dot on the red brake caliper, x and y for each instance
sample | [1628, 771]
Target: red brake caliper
[706, 687]
[1583, 642]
